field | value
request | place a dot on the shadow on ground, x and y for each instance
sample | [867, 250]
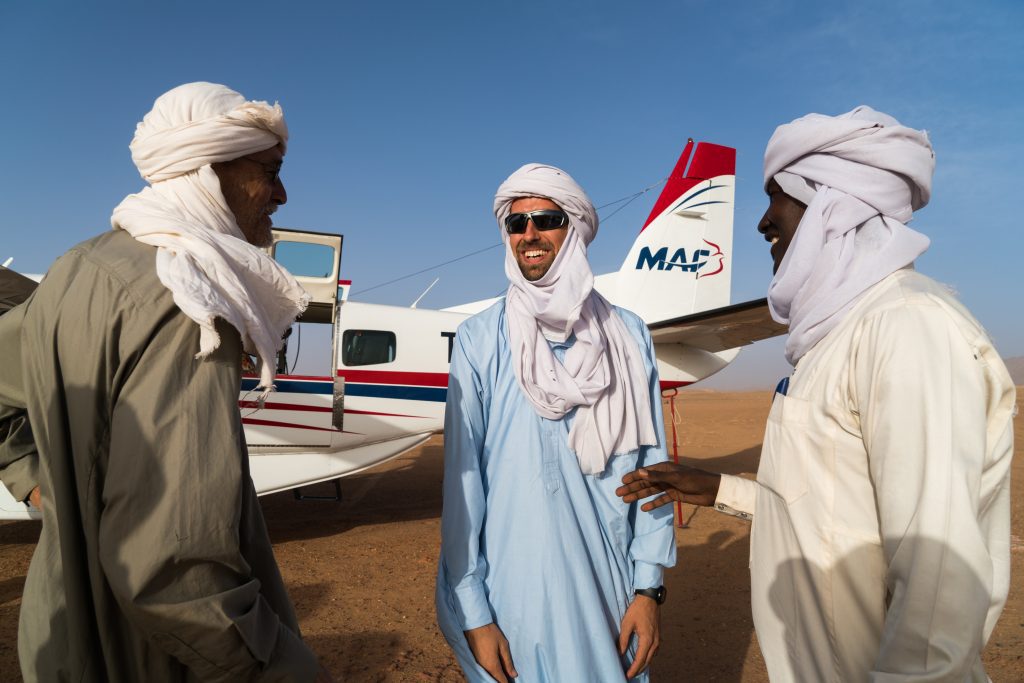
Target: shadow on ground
[407, 489]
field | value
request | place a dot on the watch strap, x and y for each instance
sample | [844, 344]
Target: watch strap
[657, 594]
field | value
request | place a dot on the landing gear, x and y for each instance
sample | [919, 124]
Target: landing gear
[297, 492]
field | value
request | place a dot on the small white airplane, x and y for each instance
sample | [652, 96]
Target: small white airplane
[383, 388]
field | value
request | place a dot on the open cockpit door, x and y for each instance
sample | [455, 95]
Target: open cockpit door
[314, 258]
[306, 410]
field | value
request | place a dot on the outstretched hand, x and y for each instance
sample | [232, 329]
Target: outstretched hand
[676, 483]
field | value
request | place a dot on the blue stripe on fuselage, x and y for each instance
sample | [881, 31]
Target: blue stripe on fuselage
[404, 393]
[435, 394]
[293, 387]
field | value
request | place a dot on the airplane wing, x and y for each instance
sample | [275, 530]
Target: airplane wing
[14, 288]
[720, 328]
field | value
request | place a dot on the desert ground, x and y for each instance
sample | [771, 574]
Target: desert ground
[361, 572]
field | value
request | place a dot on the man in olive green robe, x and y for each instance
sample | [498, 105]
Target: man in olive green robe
[154, 562]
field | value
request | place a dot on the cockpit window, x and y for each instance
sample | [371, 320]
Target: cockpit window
[367, 347]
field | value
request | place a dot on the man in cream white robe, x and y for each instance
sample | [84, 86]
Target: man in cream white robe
[880, 540]
[154, 563]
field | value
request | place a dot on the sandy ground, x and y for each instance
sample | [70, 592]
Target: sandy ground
[361, 572]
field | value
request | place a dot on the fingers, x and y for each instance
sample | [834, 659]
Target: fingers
[659, 476]
[506, 659]
[635, 475]
[36, 498]
[625, 631]
[662, 472]
[657, 502]
[634, 492]
[644, 653]
[496, 673]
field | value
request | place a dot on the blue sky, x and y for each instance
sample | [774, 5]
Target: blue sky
[406, 116]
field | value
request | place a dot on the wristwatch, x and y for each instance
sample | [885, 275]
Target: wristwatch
[657, 594]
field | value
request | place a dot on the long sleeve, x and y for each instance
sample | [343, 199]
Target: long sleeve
[654, 543]
[19, 459]
[462, 564]
[169, 540]
[737, 496]
[921, 394]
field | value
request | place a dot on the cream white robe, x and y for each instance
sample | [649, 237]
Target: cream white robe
[880, 540]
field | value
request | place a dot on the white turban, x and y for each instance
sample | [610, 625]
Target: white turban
[603, 372]
[202, 256]
[861, 175]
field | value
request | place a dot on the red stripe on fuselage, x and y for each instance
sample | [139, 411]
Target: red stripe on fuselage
[285, 406]
[418, 379]
[370, 412]
[290, 425]
[321, 409]
[304, 378]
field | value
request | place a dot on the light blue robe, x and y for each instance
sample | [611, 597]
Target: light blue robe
[527, 540]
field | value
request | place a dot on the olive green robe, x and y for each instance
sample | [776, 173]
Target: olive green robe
[14, 288]
[154, 562]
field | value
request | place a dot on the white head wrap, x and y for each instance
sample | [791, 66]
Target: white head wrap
[862, 175]
[202, 256]
[603, 372]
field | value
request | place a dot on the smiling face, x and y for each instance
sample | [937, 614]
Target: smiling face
[253, 190]
[535, 250]
[780, 221]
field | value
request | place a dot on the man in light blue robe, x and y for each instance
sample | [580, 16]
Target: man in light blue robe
[553, 395]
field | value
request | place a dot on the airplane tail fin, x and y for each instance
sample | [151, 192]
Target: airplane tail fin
[681, 262]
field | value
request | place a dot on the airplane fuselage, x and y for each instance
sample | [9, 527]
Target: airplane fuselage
[394, 362]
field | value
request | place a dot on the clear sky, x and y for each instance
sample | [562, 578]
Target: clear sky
[406, 116]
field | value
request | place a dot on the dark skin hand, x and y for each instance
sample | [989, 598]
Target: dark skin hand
[491, 651]
[675, 484]
[36, 498]
[643, 618]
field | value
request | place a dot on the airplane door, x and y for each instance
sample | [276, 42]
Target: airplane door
[306, 409]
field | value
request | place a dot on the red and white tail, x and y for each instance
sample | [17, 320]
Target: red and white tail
[681, 262]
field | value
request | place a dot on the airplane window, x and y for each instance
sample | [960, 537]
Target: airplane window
[303, 259]
[367, 347]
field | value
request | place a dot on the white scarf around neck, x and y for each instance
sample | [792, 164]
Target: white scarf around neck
[603, 375]
[202, 256]
[861, 175]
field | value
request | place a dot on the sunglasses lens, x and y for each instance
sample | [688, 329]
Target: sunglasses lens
[515, 224]
[549, 220]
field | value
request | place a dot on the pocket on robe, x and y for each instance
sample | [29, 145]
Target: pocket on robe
[787, 439]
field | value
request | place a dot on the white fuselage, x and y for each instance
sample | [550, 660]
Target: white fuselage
[389, 406]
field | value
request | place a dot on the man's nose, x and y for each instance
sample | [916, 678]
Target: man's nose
[279, 196]
[531, 233]
[764, 224]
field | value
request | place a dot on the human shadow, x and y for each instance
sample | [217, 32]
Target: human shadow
[843, 621]
[407, 492]
[19, 533]
[365, 655]
[10, 589]
[708, 610]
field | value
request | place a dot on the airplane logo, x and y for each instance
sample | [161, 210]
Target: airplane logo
[699, 259]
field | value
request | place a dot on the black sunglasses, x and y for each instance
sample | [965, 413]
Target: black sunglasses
[544, 219]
